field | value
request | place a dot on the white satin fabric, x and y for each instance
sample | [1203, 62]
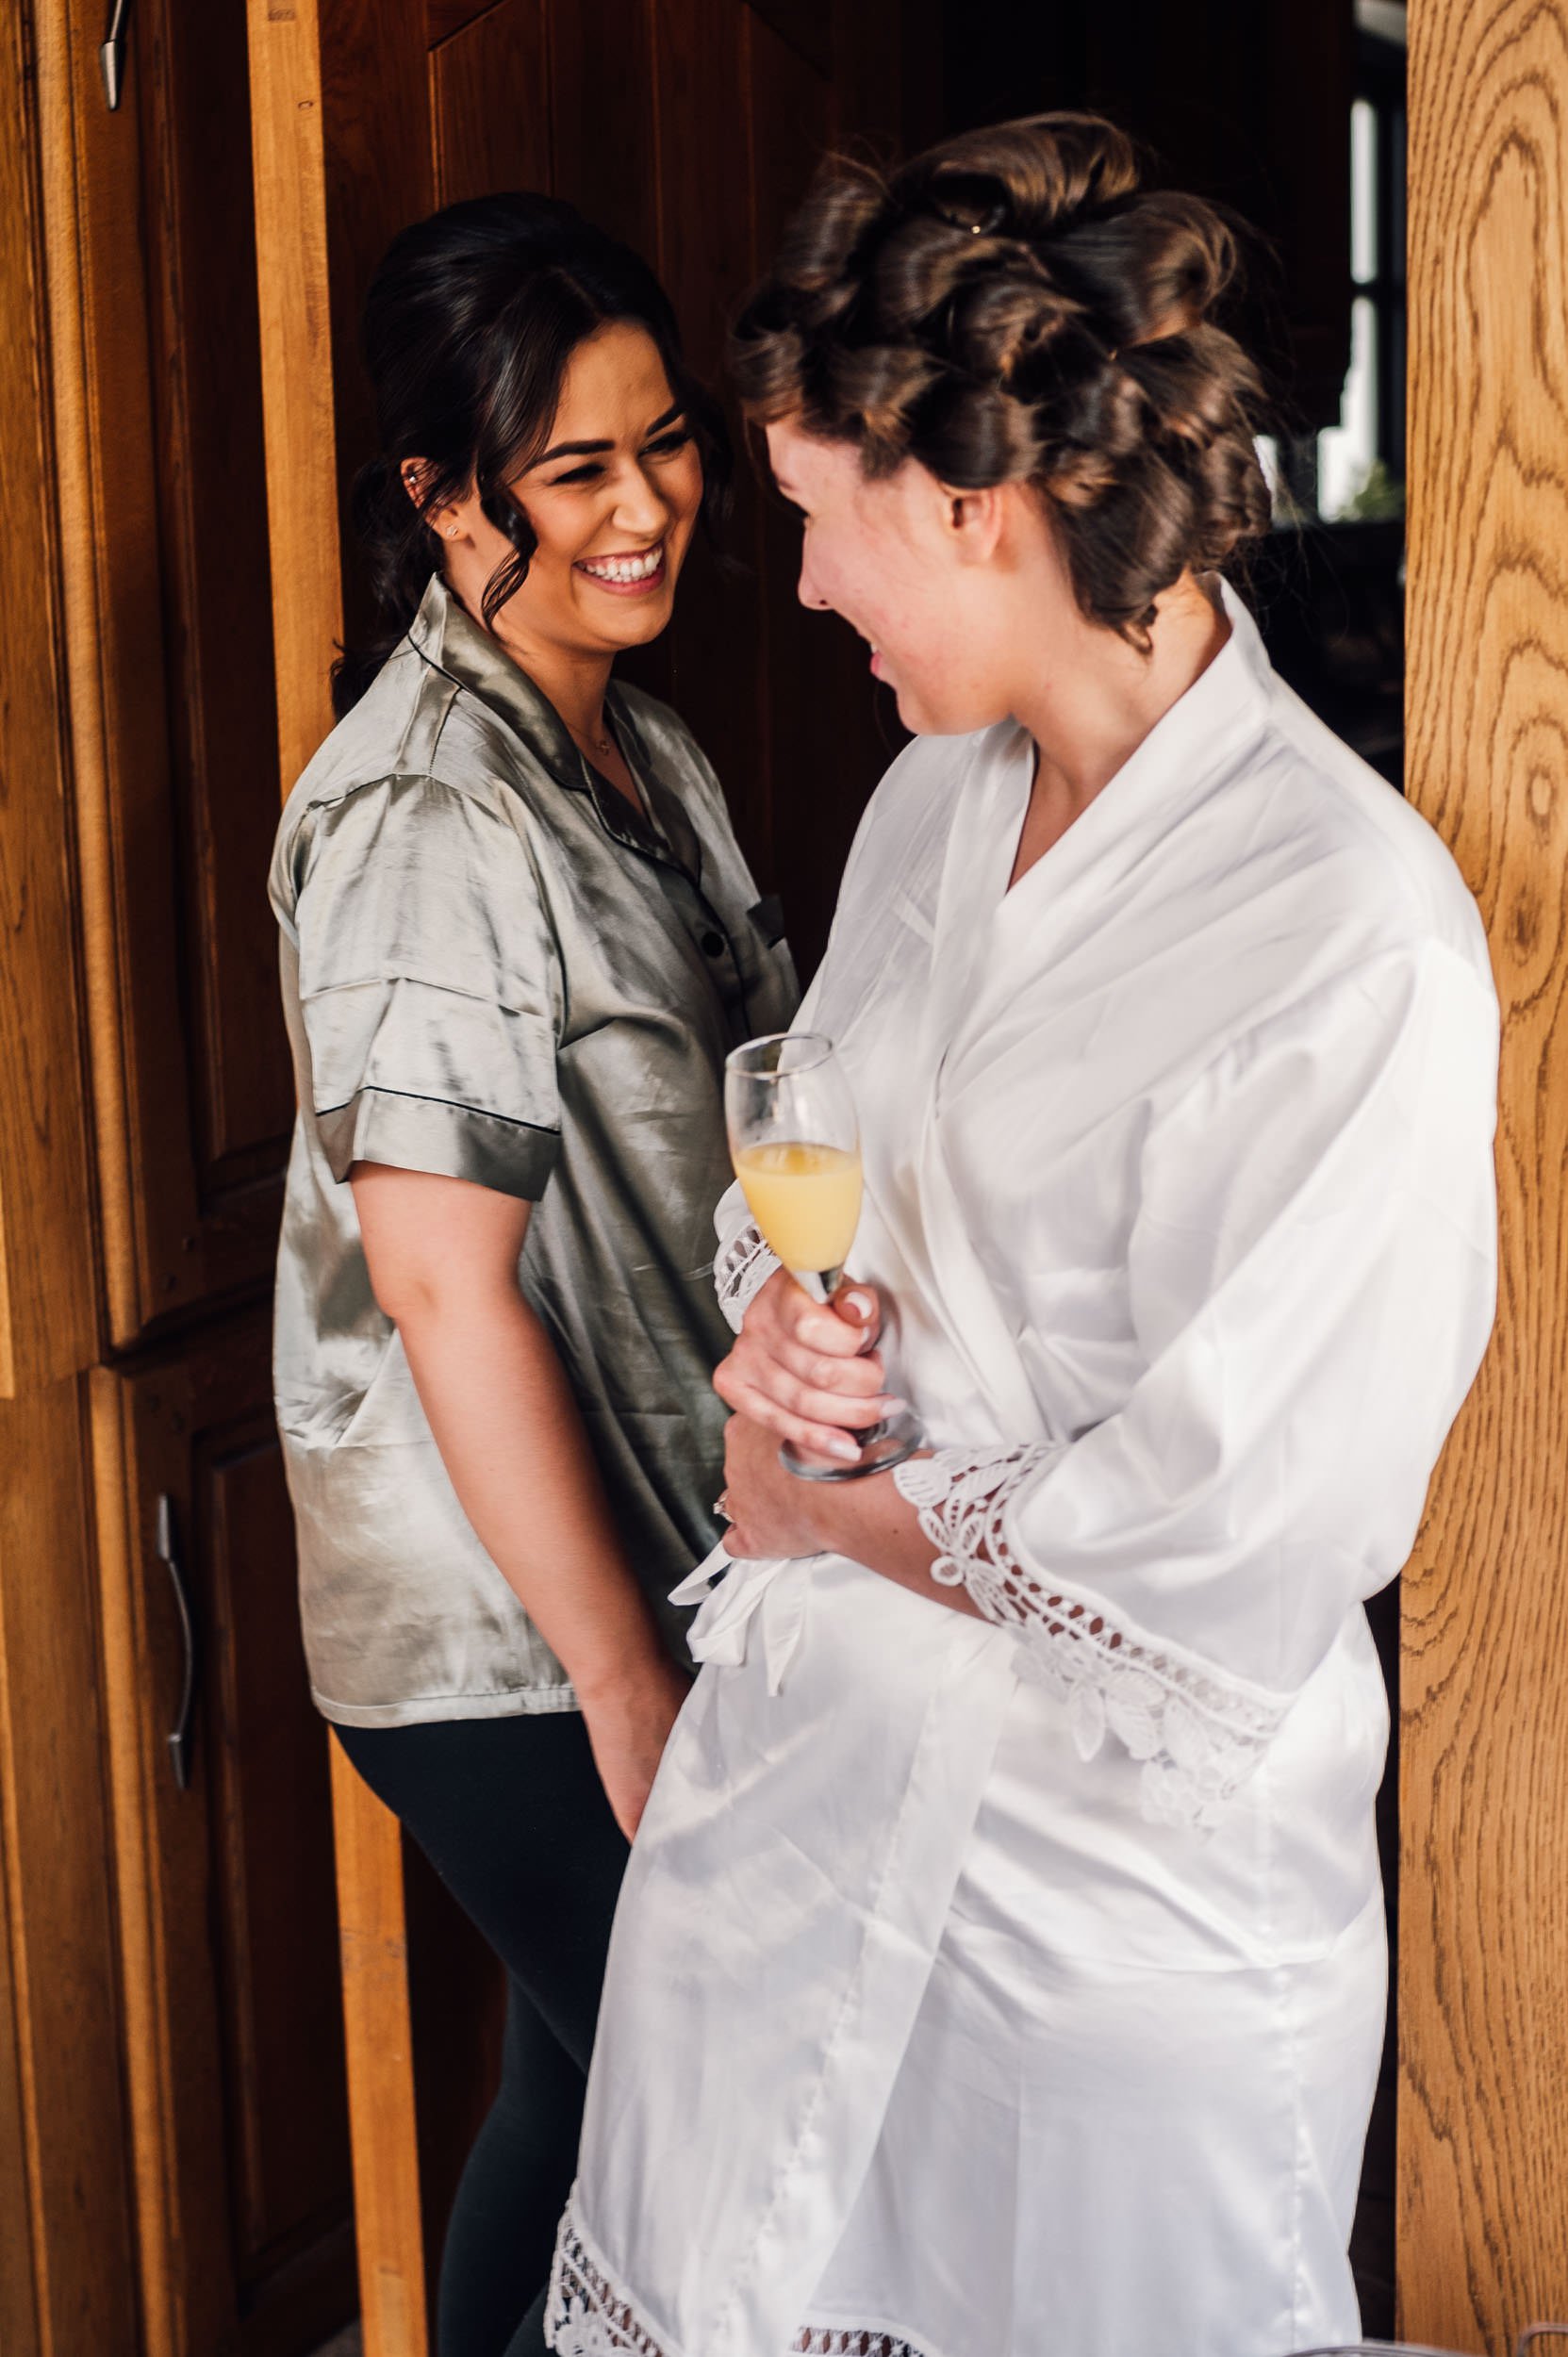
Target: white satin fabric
[935, 2025]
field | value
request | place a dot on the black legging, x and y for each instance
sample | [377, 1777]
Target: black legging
[511, 1814]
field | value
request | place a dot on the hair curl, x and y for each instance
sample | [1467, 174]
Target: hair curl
[469, 324]
[1015, 307]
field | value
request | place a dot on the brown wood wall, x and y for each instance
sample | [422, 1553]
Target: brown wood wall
[1484, 2117]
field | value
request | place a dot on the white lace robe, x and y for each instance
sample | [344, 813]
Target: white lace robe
[1013, 1988]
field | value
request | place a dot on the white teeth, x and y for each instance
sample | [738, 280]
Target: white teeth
[627, 567]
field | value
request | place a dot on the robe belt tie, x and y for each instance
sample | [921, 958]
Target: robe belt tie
[730, 1594]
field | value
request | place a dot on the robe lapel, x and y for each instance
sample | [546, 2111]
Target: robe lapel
[980, 849]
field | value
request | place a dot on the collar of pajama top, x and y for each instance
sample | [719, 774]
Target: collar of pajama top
[452, 642]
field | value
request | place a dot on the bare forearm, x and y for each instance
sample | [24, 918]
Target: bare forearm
[776, 1515]
[513, 1443]
[871, 1524]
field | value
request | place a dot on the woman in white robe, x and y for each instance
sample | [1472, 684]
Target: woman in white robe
[1001, 1968]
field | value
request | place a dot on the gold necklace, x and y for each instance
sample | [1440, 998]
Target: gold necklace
[594, 744]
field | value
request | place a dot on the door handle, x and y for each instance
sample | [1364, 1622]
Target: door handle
[111, 52]
[179, 1733]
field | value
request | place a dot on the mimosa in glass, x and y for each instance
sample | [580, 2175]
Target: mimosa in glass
[794, 1142]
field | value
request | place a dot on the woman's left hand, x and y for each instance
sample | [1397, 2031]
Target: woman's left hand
[767, 1507]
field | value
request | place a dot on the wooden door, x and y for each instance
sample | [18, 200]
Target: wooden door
[218, 1776]
[156, 381]
[66, 2270]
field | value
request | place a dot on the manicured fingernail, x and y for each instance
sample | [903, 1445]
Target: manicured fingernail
[859, 1306]
[891, 1407]
[843, 1447]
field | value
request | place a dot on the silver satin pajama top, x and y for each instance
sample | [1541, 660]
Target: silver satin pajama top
[494, 967]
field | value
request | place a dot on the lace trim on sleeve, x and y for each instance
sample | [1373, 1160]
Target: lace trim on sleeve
[740, 1272]
[1199, 1734]
[588, 2315]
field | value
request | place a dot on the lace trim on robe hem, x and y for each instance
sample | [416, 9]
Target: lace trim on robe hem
[587, 2315]
[819, 2340]
[740, 1272]
[1199, 1736]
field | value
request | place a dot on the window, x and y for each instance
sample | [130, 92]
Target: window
[1355, 472]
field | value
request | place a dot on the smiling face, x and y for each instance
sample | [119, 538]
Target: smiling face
[936, 581]
[612, 500]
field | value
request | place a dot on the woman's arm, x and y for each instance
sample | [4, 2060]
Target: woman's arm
[443, 1258]
[774, 1513]
[1309, 1278]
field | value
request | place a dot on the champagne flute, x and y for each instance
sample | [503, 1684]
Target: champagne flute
[795, 1143]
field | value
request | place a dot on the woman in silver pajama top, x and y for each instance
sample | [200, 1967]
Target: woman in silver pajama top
[518, 940]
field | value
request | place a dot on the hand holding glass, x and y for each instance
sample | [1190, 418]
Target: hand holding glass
[795, 1143]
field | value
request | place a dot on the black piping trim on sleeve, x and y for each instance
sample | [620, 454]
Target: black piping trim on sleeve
[453, 1104]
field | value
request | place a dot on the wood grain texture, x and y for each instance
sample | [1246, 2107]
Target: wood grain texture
[112, 614]
[1483, 2117]
[381, 2079]
[70, 2129]
[490, 104]
[376, 97]
[228, 1966]
[705, 255]
[831, 731]
[210, 462]
[48, 1310]
[296, 309]
[805, 26]
[442, 18]
[604, 132]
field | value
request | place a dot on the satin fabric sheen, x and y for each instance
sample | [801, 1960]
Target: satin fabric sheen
[494, 967]
[1180, 1194]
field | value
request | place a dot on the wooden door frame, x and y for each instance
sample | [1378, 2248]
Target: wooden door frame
[1483, 1963]
[1483, 2230]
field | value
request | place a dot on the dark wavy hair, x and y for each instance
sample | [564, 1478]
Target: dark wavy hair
[1015, 307]
[470, 320]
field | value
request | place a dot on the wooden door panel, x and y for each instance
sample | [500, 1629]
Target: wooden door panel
[827, 742]
[230, 1946]
[490, 104]
[48, 1307]
[705, 258]
[217, 633]
[445, 17]
[273, 1849]
[155, 384]
[373, 94]
[67, 2233]
[104, 426]
[806, 26]
[603, 145]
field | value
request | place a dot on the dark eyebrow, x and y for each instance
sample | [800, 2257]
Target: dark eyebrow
[588, 450]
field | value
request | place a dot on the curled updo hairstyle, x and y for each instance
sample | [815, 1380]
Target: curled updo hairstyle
[1014, 306]
[470, 320]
